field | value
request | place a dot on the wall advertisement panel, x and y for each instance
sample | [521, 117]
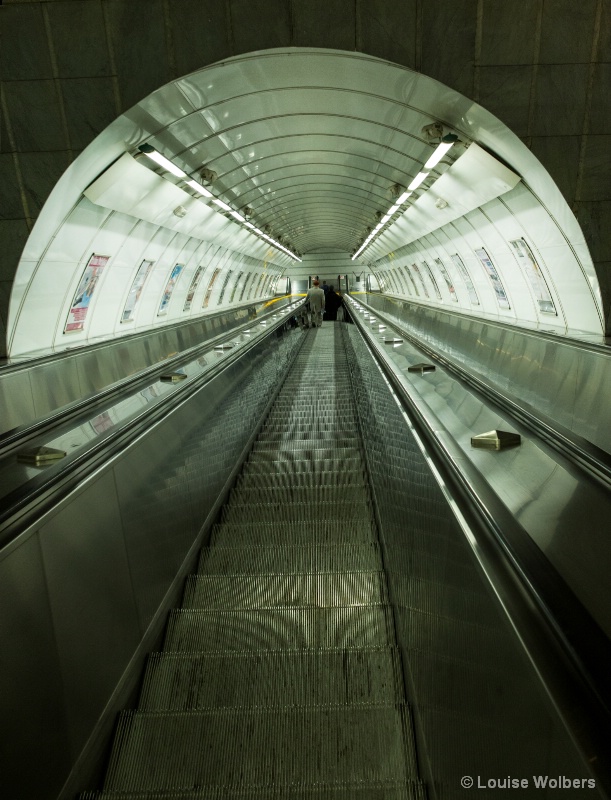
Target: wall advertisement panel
[206, 300]
[446, 276]
[169, 288]
[136, 290]
[466, 278]
[527, 261]
[497, 285]
[193, 288]
[82, 297]
[429, 272]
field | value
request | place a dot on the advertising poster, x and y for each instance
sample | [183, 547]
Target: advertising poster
[235, 286]
[245, 286]
[420, 278]
[446, 276]
[82, 297]
[215, 275]
[167, 292]
[467, 278]
[136, 290]
[433, 281]
[193, 288]
[533, 272]
[408, 272]
[224, 286]
[499, 289]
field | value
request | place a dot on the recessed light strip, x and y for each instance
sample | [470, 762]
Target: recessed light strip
[438, 154]
[164, 162]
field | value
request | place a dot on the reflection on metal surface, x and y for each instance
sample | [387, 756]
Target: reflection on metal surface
[224, 346]
[421, 368]
[173, 377]
[496, 440]
[391, 340]
[40, 455]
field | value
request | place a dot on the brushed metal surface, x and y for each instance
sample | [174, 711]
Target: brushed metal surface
[16, 401]
[34, 730]
[91, 599]
[563, 379]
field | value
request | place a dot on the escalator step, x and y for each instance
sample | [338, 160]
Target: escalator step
[311, 480]
[195, 630]
[386, 790]
[190, 681]
[295, 494]
[302, 532]
[262, 747]
[286, 466]
[322, 590]
[297, 512]
[294, 453]
[289, 559]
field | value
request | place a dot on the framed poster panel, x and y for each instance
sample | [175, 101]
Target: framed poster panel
[169, 288]
[136, 290]
[84, 292]
[527, 261]
[464, 272]
[446, 276]
[193, 288]
[497, 285]
[215, 275]
[429, 272]
[408, 272]
[421, 279]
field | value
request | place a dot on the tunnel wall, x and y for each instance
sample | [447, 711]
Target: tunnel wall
[543, 68]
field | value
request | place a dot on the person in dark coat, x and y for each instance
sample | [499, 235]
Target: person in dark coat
[332, 302]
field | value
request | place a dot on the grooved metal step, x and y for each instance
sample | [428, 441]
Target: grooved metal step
[262, 747]
[297, 512]
[189, 681]
[322, 590]
[309, 480]
[289, 559]
[279, 628]
[302, 532]
[379, 790]
[294, 453]
[294, 467]
[290, 495]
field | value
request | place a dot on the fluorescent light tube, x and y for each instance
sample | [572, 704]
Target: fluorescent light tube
[403, 198]
[438, 154]
[199, 188]
[239, 217]
[421, 176]
[385, 219]
[166, 164]
[394, 208]
[221, 204]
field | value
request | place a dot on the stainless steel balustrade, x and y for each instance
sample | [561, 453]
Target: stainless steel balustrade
[31, 389]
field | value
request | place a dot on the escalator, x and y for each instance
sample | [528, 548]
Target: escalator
[280, 674]
[352, 619]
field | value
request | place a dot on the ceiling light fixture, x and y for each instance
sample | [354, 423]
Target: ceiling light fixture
[209, 176]
[441, 150]
[164, 162]
[434, 131]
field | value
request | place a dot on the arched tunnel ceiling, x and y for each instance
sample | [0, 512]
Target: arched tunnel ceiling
[312, 142]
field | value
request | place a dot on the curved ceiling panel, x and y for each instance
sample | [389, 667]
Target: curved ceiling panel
[318, 144]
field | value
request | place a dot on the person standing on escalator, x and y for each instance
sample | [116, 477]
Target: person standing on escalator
[315, 300]
[332, 302]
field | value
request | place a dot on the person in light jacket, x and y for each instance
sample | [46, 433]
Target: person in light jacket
[315, 300]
